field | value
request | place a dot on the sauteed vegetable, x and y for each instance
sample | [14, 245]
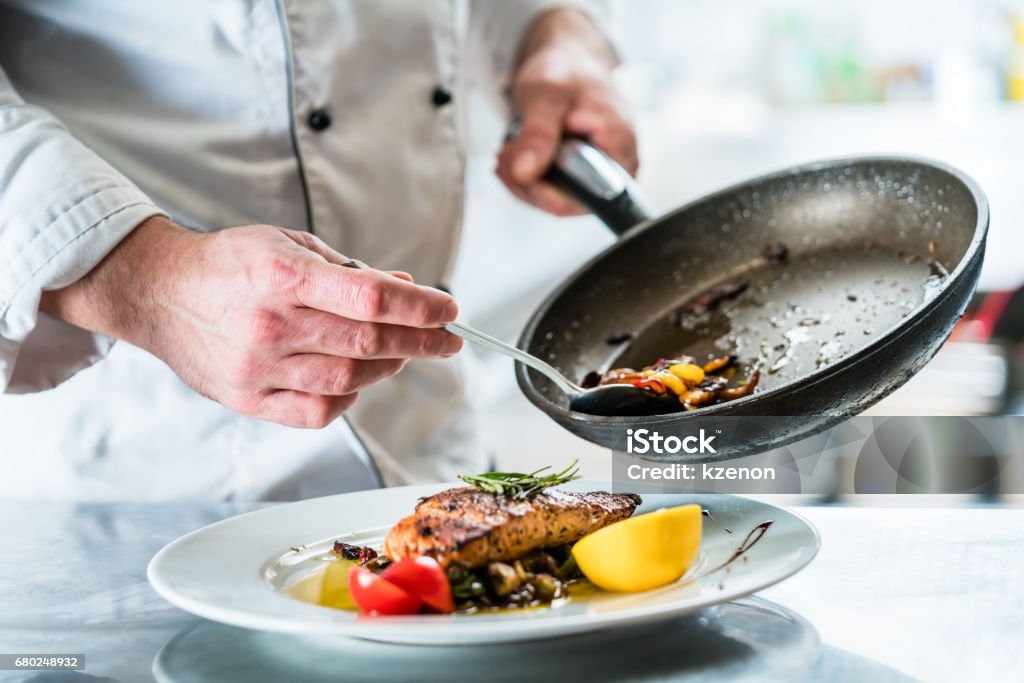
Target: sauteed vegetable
[503, 542]
[683, 379]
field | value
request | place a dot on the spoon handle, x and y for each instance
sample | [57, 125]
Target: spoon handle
[477, 337]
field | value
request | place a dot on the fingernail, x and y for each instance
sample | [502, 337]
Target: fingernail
[452, 346]
[451, 311]
[525, 166]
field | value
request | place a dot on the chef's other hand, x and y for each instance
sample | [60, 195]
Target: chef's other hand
[562, 86]
[265, 320]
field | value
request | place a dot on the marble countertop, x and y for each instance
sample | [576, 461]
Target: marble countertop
[895, 595]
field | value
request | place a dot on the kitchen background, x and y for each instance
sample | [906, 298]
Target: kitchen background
[723, 91]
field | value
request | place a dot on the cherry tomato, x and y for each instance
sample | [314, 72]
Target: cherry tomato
[375, 595]
[423, 577]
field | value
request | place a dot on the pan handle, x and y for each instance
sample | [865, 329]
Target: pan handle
[594, 180]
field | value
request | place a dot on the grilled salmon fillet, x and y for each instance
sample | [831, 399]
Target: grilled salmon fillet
[474, 527]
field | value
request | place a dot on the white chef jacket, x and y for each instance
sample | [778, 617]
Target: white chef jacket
[113, 111]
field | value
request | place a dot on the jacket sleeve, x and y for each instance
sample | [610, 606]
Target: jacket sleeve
[62, 209]
[495, 31]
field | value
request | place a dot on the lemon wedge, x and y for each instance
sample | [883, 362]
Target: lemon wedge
[334, 586]
[641, 553]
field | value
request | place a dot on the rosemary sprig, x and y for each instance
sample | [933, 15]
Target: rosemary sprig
[518, 484]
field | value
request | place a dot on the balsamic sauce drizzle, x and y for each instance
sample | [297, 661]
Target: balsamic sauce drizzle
[755, 535]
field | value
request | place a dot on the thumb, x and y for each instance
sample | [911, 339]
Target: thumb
[532, 150]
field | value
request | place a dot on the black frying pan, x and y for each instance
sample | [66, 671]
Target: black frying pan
[882, 255]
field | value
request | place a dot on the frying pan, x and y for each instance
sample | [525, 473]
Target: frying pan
[853, 272]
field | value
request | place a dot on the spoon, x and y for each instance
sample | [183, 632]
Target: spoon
[608, 399]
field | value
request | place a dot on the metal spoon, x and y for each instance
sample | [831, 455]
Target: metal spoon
[608, 399]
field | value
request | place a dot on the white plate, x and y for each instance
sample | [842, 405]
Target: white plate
[235, 571]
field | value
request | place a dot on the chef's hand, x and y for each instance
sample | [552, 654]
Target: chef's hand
[262, 319]
[562, 86]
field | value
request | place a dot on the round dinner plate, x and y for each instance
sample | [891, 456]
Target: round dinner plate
[238, 571]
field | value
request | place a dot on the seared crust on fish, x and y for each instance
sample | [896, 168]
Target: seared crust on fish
[473, 527]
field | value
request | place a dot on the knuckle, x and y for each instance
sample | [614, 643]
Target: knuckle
[281, 272]
[315, 413]
[421, 314]
[245, 403]
[342, 380]
[312, 242]
[368, 299]
[320, 412]
[246, 368]
[309, 378]
[307, 285]
[367, 341]
[306, 378]
[428, 344]
[300, 237]
[316, 244]
[264, 327]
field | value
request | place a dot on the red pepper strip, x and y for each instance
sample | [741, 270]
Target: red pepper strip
[651, 384]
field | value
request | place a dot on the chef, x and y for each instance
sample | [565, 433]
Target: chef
[203, 183]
